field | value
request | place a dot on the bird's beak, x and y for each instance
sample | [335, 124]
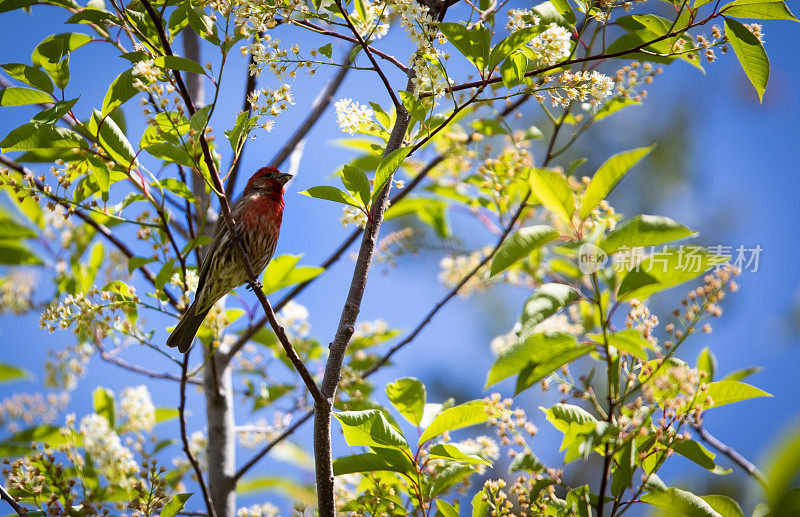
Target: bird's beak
[283, 178]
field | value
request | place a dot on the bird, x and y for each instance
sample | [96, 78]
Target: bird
[257, 215]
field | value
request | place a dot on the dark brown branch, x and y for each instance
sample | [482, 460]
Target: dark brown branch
[99, 228]
[325, 32]
[185, 438]
[5, 496]
[734, 456]
[109, 358]
[595, 57]
[308, 379]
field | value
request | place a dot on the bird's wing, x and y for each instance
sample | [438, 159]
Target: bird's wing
[220, 239]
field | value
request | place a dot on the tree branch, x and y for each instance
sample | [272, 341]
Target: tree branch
[728, 451]
[109, 358]
[5, 496]
[278, 439]
[185, 438]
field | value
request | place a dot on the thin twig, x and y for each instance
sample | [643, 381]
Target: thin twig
[106, 356]
[5, 496]
[325, 32]
[249, 88]
[734, 456]
[185, 438]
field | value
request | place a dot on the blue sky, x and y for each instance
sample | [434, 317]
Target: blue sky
[742, 189]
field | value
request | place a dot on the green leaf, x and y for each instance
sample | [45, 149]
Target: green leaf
[244, 123]
[510, 44]
[10, 229]
[407, 395]
[14, 253]
[751, 54]
[176, 503]
[562, 415]
[357, 183]
[20, 443]
[11, 373]
[642, 231]
[527, 461]
[165, 414]
[479, 507]
[326, 50]
[474, 44]
[544, 302]
[52, 54]
[723, 505]
[389, 164]
[113, 139]
[177, 187]
[179, 63]
[607, 177]
[119, 92]
[457, 417]
[17, 96]
[453, 452]
[664, 269]
[103, 399]
[30, 75]
[283, 271]
[696, 452]
[679, 503]
[535, 357]
[629, 341]
[449, 477]
[385, 460]
[553, 191]
[759, 10]
[446, 509]
[331, 194]
[623, 474]
[708, 363]
[370, 428]
[728, 392]
[54, 113]
[414, 105]
[513, 69]
[34, 135]
[743, 373]
[520, 244]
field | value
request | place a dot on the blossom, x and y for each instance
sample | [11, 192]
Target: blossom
[106, 449]
[137, 406]
[455, 268]
[552, 45]
[521, 18]
[26, 408]
[352, 215]
[146, 73]
[374, 25]
[259, 510]
[352, 116]
[294, 319]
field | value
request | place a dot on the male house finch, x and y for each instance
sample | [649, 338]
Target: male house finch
[257, 214]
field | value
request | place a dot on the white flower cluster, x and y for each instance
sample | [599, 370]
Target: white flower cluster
[259, 510]
[146, 73]
[103, 444]
[198, 442]
[551, 46]
[16, 292]
[370, 328]
[67, 366]
[252, 436]
[294, 320]
[271, 102]
[352, 215]
[353, 117]
[137, 406]
[556, 323]
[422, 31]
[27, 408]
[455, 268]
[584, 86]
[268, 54]
[375, 24]
[521, 18]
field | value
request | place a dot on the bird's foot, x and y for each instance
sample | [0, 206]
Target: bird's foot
[252, 286]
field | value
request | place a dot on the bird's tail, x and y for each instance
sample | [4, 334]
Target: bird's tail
[183, 334]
